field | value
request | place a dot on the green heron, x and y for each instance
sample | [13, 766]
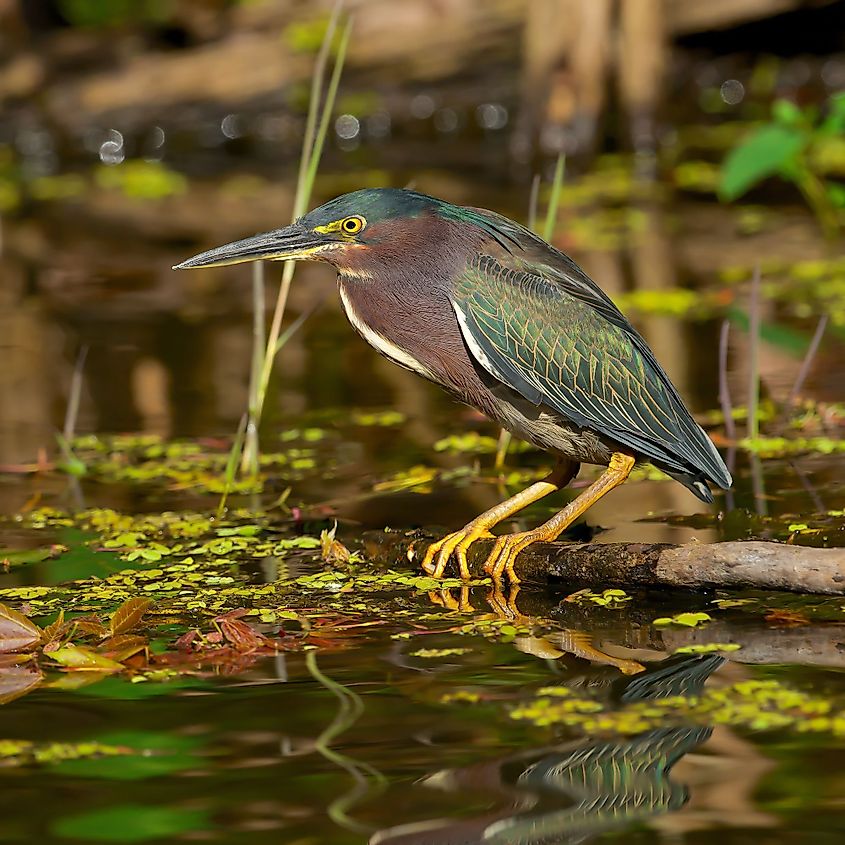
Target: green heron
[510, 325]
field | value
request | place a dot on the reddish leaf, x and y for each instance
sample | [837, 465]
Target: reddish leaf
[53, 628]
[188, 640]
[16, 631]
[128, 615]
[16, 681]
[241, 635]
[57, 632]
[786, 618]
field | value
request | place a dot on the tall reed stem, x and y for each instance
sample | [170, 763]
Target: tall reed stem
[754, 356]
[266, 345]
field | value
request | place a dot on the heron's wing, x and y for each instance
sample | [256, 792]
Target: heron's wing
[548, 332]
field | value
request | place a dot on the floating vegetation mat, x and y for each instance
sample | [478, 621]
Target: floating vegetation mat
[181, 597]
[189, 465]
[756, 704]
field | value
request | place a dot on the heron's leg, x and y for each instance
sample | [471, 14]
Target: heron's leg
[509, 546]
[571, 641]
[580, 643]
[438, 553]
[445, 599]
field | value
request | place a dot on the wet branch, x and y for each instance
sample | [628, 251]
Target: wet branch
[730, 565]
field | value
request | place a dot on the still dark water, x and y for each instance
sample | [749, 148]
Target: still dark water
[354, 742]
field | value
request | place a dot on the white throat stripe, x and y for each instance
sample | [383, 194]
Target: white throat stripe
[380, 343]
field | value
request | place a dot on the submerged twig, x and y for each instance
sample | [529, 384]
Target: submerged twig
[350, 709]
[754, 355]
[808, 358]
[724, 388]
[74, 396]
[554, 198]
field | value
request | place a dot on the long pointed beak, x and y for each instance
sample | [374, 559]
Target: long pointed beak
[292, 242]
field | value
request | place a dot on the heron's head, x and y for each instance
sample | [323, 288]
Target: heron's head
[344, 230]
[359, 231]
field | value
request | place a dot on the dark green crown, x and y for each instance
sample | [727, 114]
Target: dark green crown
[379, 204]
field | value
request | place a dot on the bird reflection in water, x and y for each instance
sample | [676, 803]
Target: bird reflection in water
[577, 791]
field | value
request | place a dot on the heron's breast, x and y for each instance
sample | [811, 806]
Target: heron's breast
[375, 328]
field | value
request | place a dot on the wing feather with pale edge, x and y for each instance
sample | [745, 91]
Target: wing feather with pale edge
[553, 336]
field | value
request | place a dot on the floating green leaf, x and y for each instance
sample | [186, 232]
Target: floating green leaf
[707, 648]
[83, 659]
[687, 620]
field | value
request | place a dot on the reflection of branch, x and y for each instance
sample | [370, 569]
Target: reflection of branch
[349, 711]
[808, 645]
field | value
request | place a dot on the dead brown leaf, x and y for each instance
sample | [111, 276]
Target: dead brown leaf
[123, 646]
[240, 634]
[16, 681]
[188, 640]
[91, 625]
[16, 631]
[786, 618]
[57, 631]
[128, 615]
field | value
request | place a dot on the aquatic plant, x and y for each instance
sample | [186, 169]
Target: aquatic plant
[785, 147]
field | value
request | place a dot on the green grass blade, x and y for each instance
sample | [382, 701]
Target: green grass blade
[300, 200]
[249, 462]
[554, 198]
[266, 345]
[72, 412]
[232, 463]
[328, 108]
[754, 355]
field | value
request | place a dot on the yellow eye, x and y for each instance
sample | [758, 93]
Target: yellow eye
[352, 225]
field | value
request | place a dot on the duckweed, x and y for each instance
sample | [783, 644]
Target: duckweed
[754, 704]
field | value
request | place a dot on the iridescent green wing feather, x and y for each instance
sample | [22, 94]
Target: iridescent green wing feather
[533, 320]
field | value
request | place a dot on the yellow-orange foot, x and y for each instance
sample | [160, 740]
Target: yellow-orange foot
[508, 546]
[453, 545]
[445, 598]
[504, 606]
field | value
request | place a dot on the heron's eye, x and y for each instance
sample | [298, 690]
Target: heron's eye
[351, 225]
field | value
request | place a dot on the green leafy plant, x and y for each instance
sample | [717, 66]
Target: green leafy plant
[786, 147]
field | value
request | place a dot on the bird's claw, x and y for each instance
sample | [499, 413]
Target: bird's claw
[507, 547]
[456, 544]
[504, 606]
[445, 598]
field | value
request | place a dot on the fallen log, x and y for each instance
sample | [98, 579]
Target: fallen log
[729, 565]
